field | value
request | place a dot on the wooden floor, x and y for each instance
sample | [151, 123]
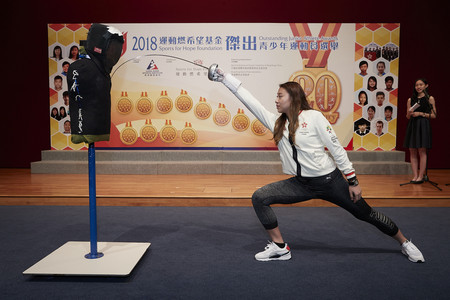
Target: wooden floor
[20, 187]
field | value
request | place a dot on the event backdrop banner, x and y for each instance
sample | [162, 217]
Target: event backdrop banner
[161, 97]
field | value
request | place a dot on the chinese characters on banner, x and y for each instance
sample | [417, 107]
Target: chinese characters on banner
[161, 97]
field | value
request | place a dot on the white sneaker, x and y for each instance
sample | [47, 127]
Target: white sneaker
[411, 251]
[273, 252]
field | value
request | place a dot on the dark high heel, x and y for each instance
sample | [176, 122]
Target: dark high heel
[417, 181]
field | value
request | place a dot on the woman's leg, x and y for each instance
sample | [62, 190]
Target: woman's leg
[337, 192]
[282, 192]
[275, 235]
[423, 163]
[414, 163]
[399, 237]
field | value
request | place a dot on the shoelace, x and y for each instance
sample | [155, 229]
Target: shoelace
[411, 247]
[269, 245]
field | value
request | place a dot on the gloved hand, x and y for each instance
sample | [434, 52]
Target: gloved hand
[215, 73]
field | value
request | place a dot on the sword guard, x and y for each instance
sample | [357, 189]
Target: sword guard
[215, 73]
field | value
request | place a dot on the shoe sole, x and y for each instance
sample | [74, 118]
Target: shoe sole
[283, 257]
[413, 260]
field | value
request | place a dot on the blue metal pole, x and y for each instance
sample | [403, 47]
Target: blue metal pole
[92, 204]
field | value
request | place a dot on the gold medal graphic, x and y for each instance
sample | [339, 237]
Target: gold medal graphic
[202, 109]
[149, 133]
[322, 87]
[183, 102]
[258, 128]
[128, 135]
[188, 134]
[324, 90]
[164, 104]
[221, 116]
[240, 121]
[144, 105]
[168, 133]
[124, 105]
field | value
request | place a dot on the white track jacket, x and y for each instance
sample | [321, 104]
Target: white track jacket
[312, 136]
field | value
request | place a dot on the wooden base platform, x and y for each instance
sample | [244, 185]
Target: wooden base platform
[118, 259]
[21, 187]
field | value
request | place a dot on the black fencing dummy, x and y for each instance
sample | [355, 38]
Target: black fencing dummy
[89, 85]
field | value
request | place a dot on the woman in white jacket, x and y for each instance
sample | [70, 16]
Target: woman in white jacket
[301, 135]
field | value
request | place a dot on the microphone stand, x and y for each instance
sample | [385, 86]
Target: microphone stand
[426, 178]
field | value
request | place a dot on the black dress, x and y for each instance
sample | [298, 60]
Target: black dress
[418, 132]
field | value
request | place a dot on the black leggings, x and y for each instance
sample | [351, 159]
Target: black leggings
[332, 188]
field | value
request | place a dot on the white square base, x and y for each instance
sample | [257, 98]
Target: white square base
[119, 260]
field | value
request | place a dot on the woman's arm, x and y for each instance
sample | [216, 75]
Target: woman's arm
[408, 107]
[433, 113]
[330, 141]
[253, 105]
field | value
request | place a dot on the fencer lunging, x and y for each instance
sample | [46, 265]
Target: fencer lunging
[301, 135]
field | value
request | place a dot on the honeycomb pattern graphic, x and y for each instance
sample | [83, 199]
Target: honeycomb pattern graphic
[395, 36]
[357, 142]
[358, 82]
[61, 37]
[54, 127]
[382, 36]
[364, 36]
[377, 46]
[65, 36]
[51, 36]
[370, 142]
[52, 66]
[59, 140]
[392, 127]
[394, 67]
[388, 141]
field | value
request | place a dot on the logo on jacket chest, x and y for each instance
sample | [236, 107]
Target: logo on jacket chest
[303, 128]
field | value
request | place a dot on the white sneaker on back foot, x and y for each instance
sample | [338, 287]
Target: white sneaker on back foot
[273, 252]
[412, 252]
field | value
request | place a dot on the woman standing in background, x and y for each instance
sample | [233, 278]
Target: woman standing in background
[420, 108]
